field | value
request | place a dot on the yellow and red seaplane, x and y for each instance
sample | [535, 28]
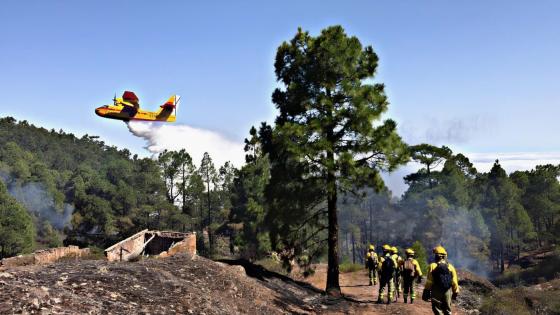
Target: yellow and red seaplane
[127, 108]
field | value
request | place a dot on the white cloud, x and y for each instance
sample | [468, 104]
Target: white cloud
[513, 161]
[195, 141]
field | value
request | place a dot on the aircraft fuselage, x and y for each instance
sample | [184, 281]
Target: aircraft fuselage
[128, 113]
[127, 108]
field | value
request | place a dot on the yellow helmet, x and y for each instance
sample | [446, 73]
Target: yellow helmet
[410, 252]
[371, 247]
[394, 249]
[439, 250]
[386, 248]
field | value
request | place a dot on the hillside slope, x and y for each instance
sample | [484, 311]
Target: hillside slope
[180, 284]
[81, 190]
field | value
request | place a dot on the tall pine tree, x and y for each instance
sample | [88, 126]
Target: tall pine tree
[328, 112]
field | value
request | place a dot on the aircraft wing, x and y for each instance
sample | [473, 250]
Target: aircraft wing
[130, 99]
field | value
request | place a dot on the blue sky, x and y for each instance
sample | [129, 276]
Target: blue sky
[480, 76]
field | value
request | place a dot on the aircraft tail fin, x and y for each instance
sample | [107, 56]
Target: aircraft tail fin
[171, 104]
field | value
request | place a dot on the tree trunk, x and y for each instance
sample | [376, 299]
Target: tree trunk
[370, 223]
[183, 192]
[502, 264]
[208, 197]
[429, 177]
[539, 239]
[345, 245]
[210, 236]
[333, 284]
[353, 249]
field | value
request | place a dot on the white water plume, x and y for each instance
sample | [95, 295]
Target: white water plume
[195, 141]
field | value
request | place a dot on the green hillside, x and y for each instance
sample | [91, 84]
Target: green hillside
[81, 187]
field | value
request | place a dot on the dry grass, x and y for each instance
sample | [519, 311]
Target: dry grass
[349, 267]
[538, 299]
[546, 270]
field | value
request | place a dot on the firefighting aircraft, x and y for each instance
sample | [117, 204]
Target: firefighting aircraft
[127, 108]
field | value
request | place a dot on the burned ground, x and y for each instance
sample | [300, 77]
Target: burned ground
[181, 284]
[185, 284]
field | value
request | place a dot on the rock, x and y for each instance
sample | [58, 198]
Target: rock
[238, 270]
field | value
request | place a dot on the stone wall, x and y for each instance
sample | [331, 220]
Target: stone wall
[53, 254]
[157, 243]
[45, 256]
[188, 245]
[128, 248]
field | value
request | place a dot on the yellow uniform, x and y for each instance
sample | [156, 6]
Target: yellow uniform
[397, 278]
[441, 298]
[410, 271]
[386, 279]
[372, 263]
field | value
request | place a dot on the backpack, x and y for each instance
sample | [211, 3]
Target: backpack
[372, 260]
[409, 270]
[388, 268]
[442, 276]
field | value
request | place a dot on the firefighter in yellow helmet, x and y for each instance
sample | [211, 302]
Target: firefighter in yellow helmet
[410, 271]
[387, 272]
[397, 276]
[442, 285]
[372, 262]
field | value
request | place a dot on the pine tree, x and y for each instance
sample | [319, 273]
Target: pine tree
[510, 225]
[326, 120]
[209, 176]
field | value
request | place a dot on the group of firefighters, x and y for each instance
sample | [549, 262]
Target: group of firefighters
[398, 275]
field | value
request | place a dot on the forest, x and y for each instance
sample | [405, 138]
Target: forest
[311, 188]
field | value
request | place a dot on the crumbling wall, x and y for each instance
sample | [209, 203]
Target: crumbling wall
[45, 256]
[127, 248]
[21, 260]
[188, 245]
[152, 243]
[53, 254]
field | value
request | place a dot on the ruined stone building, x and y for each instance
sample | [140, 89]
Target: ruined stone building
[152, 243]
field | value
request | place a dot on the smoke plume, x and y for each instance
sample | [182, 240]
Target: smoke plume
[464, 235]
[195, 141]
[35, 198]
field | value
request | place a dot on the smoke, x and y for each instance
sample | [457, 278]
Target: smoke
[465, 235]
[35, 198]
[458, 130]
[195, 141]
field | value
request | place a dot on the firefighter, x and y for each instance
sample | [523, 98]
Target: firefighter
[442, 285]
[372, 262]
[397, 277]
[387, 272]
[410, 271]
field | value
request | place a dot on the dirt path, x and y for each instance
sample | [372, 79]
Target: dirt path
[355, 286]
